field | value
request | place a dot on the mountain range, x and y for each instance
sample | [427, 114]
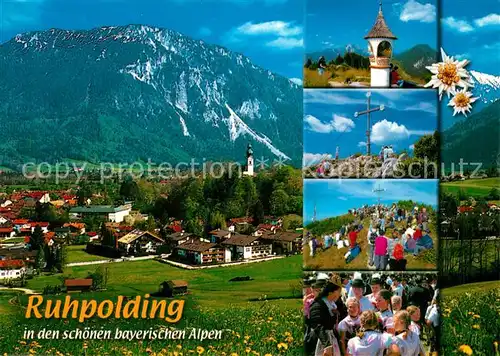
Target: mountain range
[475, 139]
[121, 94]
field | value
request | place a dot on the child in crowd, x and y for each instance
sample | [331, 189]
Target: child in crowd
[409, 343]
[369, 341]
[350, 325]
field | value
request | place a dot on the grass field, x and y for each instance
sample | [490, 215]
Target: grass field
[471, 319]
[262, 316]
[472, 187]
[76, 253]
[333, 258]
[13, 240]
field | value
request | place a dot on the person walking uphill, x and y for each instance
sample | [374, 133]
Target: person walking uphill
[323, 320]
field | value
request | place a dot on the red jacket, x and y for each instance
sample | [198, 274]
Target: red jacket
[394, 77]
[352, 238]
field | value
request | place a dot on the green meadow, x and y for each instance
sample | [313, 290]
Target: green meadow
[471, 319]
[258, 317]
[476, 188]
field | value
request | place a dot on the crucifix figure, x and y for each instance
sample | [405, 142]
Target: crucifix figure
[367, 113]
[378, 191]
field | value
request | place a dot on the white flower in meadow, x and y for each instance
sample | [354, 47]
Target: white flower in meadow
[461, 102]
[449, 74]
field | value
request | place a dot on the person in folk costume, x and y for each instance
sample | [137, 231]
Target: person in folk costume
[376, 285]
[350, 325]
[324, 318]
[383, 305]
[396, 303]
[310, 337]
[432, 321]
[414, 312]
[409, 343]
[369, 341]
[311, 296]
[358, 289]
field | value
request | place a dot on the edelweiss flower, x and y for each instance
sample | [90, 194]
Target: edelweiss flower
[461, 102]
[449, 74]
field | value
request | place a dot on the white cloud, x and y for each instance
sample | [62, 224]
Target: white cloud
[415, 11]
[331, 97]
[387, 131]
[411, 147]
[313, 158]
[342, 124]
[297, 81]
[488, 20]
[422, 106]
[361, 144]
[461, 26]
[286, 43]
[278, 28]
[273, 34]
[342, 198]
[315, 125]
[205, 31]
[338, 124]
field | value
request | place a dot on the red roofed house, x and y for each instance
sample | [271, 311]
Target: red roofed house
[11, 269]
[76, 227]
[42, 197]
[43, 225]
[463, 209]
[7, 232]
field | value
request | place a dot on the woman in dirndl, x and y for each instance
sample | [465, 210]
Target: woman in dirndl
[324, 318]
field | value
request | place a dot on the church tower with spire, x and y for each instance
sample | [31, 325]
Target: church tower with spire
[380, 45]
[250, 162]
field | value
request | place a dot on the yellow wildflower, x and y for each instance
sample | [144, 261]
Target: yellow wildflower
[283, 346]
[465, 349]
[200, 350]
[475, 326]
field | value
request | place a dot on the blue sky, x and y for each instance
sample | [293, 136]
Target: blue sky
[329, 120]
[270, 32]
[470, 31]
[335, 197]
[334, 24]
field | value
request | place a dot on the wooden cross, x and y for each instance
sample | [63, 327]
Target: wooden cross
[367, 113]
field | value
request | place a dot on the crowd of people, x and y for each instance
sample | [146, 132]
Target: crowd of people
[370, 315]
[410, 234]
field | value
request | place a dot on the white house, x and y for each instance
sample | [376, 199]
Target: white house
[247, 247]
[201, 252]
[12, 273]
[111, 213]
